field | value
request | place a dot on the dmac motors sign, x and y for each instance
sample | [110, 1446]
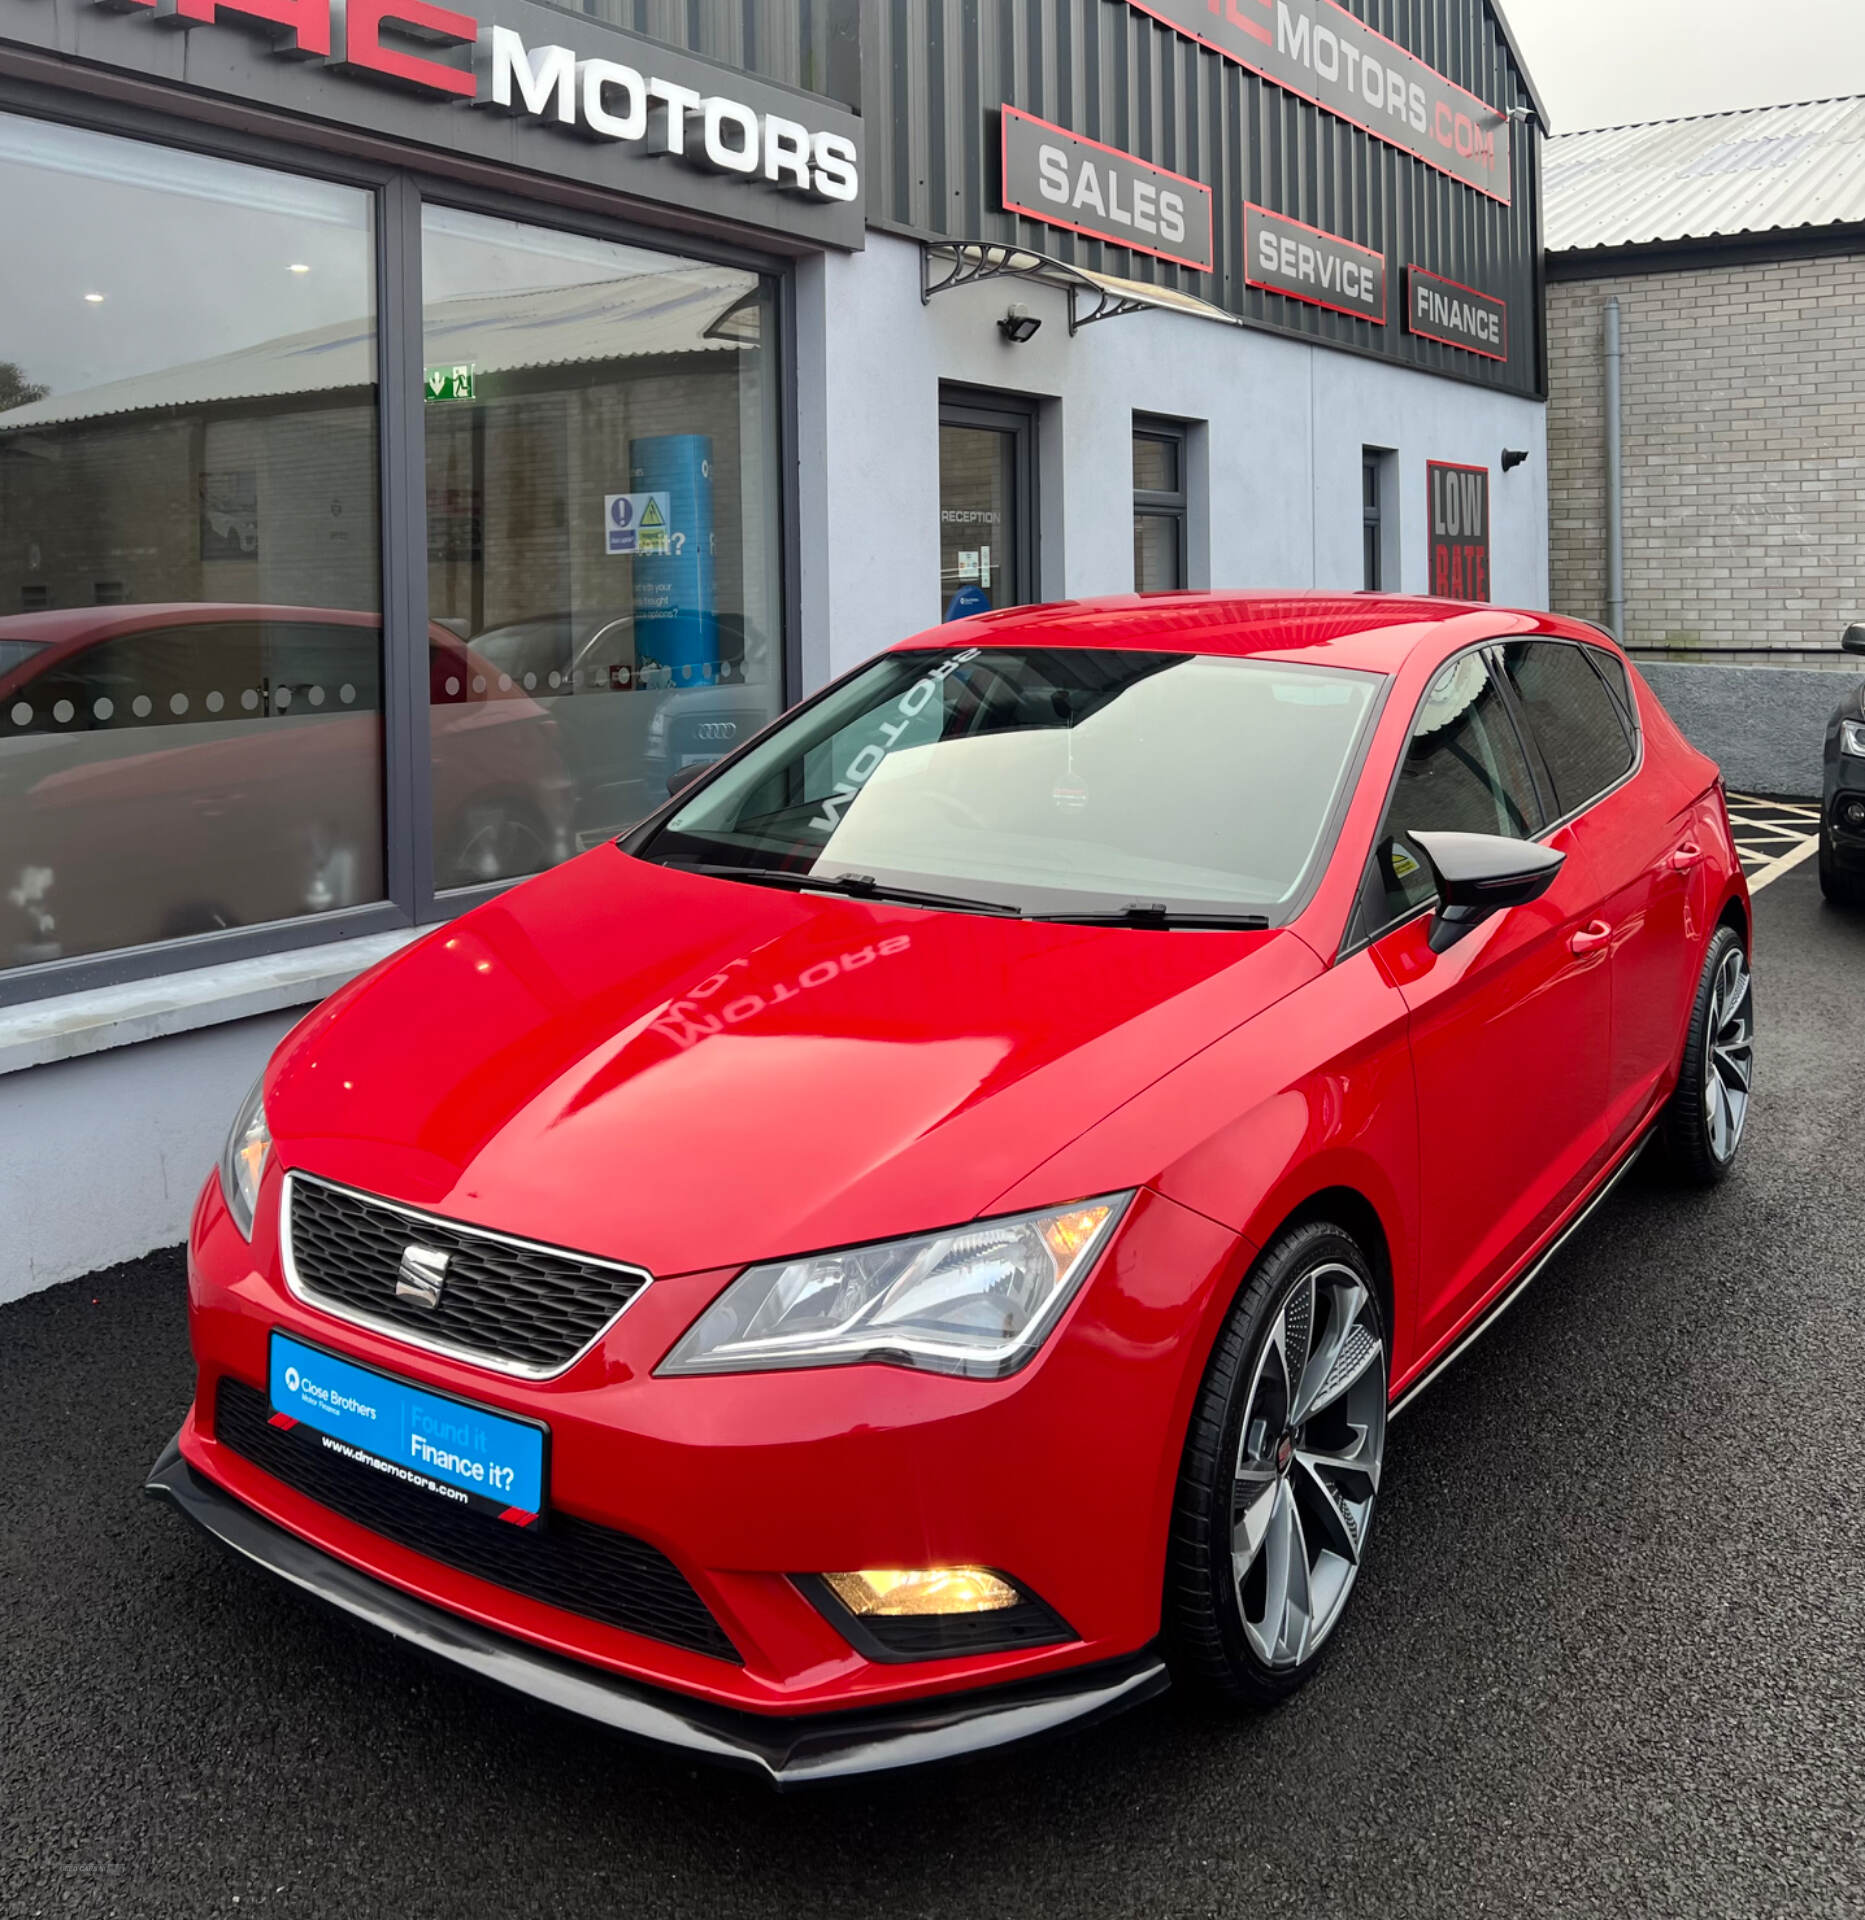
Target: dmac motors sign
[641, 118]
[1318, 50]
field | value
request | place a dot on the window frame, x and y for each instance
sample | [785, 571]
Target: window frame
[401, 182]
[1357, 935]
[1531, 743]
[1161, 504]
[987, 410]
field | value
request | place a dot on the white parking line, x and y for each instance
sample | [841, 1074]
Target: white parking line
[1772, 836]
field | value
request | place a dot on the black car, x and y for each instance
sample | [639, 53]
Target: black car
[1842, 814]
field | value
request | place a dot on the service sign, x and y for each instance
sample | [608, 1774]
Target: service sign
[1459, 531]
[1458, 316]
[1067, 180]
[1284, 256]
[1318, 50]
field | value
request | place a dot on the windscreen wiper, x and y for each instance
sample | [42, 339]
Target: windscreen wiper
[1155, 913]
[856, 886]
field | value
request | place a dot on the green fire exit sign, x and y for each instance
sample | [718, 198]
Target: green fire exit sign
[450, 383]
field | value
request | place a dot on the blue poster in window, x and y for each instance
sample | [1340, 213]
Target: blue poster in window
[676, 614]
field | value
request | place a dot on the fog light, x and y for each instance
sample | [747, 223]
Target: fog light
[916, 1592]
[1852, 815]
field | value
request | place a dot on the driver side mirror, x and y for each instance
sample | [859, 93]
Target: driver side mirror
[1854, 639]
[1478, 875]
[685, 776]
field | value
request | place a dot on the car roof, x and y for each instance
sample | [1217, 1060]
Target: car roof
[1370, 632]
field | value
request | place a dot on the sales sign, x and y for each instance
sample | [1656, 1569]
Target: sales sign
[1066, 180]
[1284, 256]
[1459, 316]
[1318, 50]
[1459, 531]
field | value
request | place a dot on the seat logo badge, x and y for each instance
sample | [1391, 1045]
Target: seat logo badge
[422, 1275]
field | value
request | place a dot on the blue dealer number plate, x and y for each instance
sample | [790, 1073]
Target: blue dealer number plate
[457, 1452]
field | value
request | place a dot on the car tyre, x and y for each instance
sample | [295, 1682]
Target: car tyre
[1841, 888]
[1280, 1473]
[1707, 1115]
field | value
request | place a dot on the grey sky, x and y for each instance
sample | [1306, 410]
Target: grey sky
[1604, 63]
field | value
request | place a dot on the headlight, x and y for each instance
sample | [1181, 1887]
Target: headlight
[1852, 737]
[243, 1162]
[974, 1300]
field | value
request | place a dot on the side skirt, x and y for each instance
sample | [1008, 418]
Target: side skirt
[1529, 1274]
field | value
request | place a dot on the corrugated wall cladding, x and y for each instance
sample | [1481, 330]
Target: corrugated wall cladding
[814, 45]
[936, 71]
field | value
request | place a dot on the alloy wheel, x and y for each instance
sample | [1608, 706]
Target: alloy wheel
[1308, 1461]
[1731, 1067]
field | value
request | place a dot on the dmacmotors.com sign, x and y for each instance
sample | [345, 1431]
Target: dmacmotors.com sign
[1319, 50]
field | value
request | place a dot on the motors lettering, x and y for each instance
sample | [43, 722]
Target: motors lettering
[1317, 49]
[493, 68]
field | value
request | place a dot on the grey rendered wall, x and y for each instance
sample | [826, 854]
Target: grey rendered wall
[100, 1158]
[1286, 424]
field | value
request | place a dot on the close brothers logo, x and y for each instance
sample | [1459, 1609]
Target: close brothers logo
[596, 99]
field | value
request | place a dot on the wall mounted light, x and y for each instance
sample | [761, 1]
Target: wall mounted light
[1019, 325]
[1513, 457]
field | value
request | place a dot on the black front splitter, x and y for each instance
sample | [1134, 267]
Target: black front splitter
[787, 1752]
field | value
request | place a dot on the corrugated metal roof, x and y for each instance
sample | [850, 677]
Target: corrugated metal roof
[689, 310]
[1766, 170]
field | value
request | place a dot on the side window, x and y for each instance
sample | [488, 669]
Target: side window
[1464, 772]
[1576, 721]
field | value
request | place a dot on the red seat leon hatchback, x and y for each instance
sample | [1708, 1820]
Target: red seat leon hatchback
[1096, 1060]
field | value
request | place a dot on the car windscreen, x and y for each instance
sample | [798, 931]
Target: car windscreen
[15, 653]
[1046, 780]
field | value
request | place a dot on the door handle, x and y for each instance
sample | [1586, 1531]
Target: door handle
[1590, 937]
[1686, 857]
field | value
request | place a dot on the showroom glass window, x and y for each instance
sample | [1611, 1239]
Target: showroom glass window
[190, 573]
[603, 535]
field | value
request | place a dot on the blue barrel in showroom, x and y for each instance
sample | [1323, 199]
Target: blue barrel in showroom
[676, 618]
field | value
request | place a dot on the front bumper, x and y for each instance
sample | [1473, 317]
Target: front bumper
[787, 1752]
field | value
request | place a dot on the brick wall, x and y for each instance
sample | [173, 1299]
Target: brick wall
[1744, 420]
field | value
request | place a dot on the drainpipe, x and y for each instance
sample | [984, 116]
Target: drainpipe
[1615, 476]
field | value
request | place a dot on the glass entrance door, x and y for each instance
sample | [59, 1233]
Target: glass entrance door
[987, 486]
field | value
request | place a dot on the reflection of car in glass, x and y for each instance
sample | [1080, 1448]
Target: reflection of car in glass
[1842, 809]
[623, 752]
[167, 770]
[921, 1240]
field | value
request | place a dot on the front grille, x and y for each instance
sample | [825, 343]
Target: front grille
[513, 1303]
[568, 1563]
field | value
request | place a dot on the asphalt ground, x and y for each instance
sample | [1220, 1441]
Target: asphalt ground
[1608, 1654]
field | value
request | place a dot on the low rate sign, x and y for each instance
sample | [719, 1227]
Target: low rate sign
[1459, 531]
